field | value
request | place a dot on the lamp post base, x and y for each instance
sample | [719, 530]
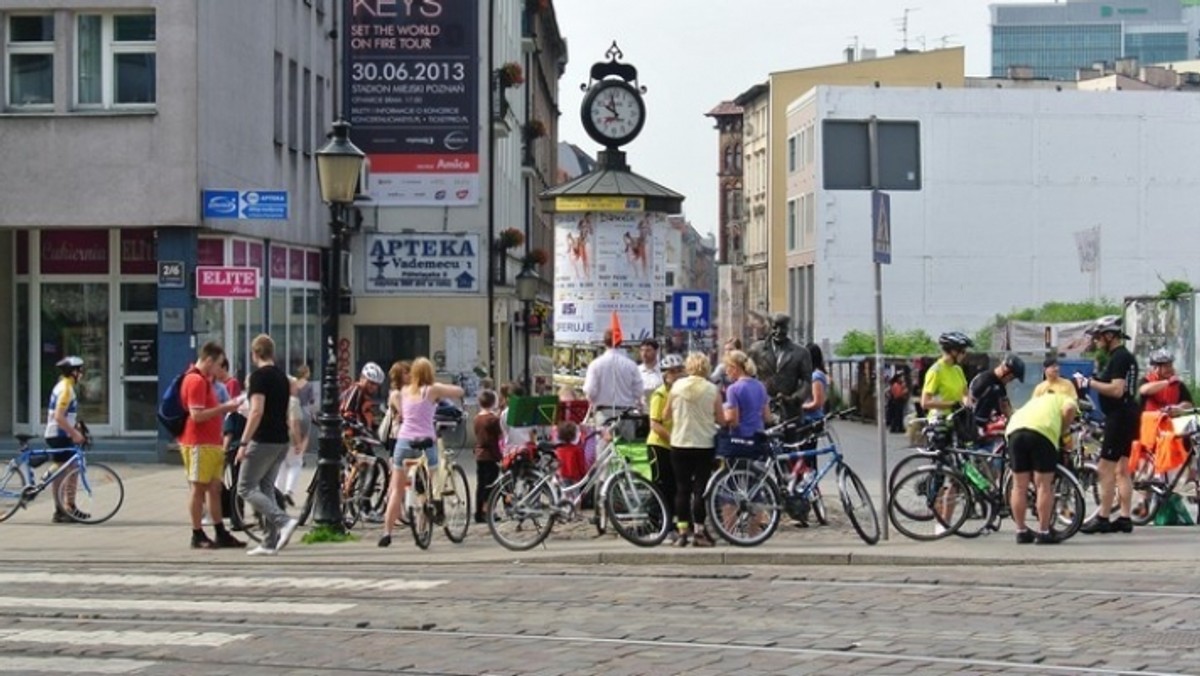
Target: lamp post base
[328, 508]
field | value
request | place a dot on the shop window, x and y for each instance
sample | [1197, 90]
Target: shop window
[74, 321]
[29, 60]
[386, 344]
[116, 60]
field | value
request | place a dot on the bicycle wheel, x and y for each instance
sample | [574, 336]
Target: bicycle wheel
[1147, 496]
[1070, 508]
[95, 492]
[1089, 483]
[521, 510]
[857, 503]
[744, 506]
[381, 474]
[599, 516]
[929, 503]
[983, 514]
[817, 502]
[456, 504]
[12, 491]
[636, 509]
[420, 511]
[910, 462]
[310, 499]
[253, 527]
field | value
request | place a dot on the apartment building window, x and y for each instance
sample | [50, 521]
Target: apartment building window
[29, 60]
[278, 98]
[791, 225]
[791, 154]
[810, 220]
[292, 105]
[116, 60]
[306, 130]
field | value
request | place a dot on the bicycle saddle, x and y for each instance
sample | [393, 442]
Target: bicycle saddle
[421, 444]
[24, 438]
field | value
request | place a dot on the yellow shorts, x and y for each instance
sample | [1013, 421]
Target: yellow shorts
[203, 463]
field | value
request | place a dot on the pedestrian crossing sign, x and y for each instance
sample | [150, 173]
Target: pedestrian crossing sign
[881, 226]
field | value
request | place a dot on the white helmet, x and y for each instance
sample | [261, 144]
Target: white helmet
[672, 362]
[373, 373]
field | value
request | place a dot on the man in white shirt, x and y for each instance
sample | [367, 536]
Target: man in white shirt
[613, 380]
[651, 375]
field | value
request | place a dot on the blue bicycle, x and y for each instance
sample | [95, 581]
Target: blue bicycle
[746, 497]
[85, 492]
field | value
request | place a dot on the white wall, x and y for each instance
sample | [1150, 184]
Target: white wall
[1009, 177]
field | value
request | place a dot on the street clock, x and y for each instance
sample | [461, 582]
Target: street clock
[613, 112]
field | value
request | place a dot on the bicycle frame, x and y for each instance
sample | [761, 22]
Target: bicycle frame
[23, 465]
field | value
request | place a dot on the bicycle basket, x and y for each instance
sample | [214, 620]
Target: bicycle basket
[729, 446]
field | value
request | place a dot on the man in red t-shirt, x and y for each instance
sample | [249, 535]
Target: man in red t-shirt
[200, 446]
[1162, 388]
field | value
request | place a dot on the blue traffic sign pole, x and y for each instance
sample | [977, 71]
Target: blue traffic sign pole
[876, 203]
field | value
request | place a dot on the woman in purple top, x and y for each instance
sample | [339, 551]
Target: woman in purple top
[418, 402]
[747, 406]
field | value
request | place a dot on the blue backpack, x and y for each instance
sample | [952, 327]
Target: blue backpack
[172, 414]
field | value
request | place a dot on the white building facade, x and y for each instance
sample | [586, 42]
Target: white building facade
[1027, 197]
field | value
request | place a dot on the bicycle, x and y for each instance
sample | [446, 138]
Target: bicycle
[448, 503]
[95, 496]
[367, 493]
[1156, 489]
[529, 498]
[745, 498]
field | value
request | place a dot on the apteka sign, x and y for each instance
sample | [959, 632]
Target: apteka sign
[422, 263]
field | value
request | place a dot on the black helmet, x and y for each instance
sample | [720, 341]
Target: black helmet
[1016, 366]
[955, 340]
[69, 363]
[1107, 324]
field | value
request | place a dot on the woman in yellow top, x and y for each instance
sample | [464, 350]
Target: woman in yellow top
[1054, 383]
[693, 410]
[659, 441]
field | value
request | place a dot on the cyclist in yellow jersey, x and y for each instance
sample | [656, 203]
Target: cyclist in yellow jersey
[62, 431]
[1035, 434]
[945, 383]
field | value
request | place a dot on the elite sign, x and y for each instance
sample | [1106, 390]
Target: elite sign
[271, 205]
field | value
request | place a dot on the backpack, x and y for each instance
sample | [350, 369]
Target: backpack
[172, 414]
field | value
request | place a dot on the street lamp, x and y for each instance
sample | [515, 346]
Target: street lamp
[339, 163]
[528, 282]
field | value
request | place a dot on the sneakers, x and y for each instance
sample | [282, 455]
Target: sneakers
[385, 540]
[1047, 538]
[285, 533]
[1097, 524]
[203, 542]
[1122, 524]
[1025, 537]
[481, 518]
[703, 539]
[60, 517]
[81, 516]
[262, 550]
[683, 540]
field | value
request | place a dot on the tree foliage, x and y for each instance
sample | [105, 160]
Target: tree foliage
[1175, 289]
[895, 343]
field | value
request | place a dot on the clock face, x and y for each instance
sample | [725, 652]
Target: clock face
[614, 114]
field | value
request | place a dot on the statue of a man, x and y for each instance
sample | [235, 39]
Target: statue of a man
[783, 366]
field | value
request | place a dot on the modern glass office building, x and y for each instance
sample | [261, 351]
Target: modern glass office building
[1057, 39]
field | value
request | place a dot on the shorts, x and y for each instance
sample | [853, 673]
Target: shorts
[203, 463]
[59, 457]
[1029, 451]
[1120, 429]
[405, 451]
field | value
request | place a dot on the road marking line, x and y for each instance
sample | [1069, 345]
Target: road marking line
[72, 665]
[222, 582]
[224, 607]
[951, 586]
[124, 638]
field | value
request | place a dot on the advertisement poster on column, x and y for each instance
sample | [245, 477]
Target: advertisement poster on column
[411, 95]
[604, 261]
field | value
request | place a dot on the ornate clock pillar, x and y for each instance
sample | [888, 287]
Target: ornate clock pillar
[610, 224]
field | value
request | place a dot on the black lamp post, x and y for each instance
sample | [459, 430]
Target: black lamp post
[527, 288]
[339, 163]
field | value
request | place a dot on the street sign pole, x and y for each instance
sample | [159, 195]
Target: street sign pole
[873, 152]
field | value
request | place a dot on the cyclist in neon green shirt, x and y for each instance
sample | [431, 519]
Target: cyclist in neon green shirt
[1035, 433]
[945, 383]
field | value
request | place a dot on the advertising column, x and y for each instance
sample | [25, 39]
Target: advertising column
[605, 261]
[411, 95]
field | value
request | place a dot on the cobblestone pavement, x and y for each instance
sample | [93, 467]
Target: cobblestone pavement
[1089, 618]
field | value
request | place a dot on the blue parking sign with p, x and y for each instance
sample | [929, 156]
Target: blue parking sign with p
[691, 310]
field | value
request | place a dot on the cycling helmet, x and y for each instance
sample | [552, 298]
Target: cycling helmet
[1161, 356]
[1108, 324]
[70, 363]
[955, 340]
[373, 373]
[672, 362]
[1016, 366]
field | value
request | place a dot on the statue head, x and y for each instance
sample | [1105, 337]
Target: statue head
[780, 324]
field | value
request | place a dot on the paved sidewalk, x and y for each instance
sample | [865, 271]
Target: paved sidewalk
[152, 528]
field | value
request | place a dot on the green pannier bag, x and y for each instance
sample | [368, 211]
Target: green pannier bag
[1173, 512]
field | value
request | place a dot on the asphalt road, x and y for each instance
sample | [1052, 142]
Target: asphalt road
[559, 619]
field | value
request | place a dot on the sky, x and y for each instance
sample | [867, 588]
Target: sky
[693, 54]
